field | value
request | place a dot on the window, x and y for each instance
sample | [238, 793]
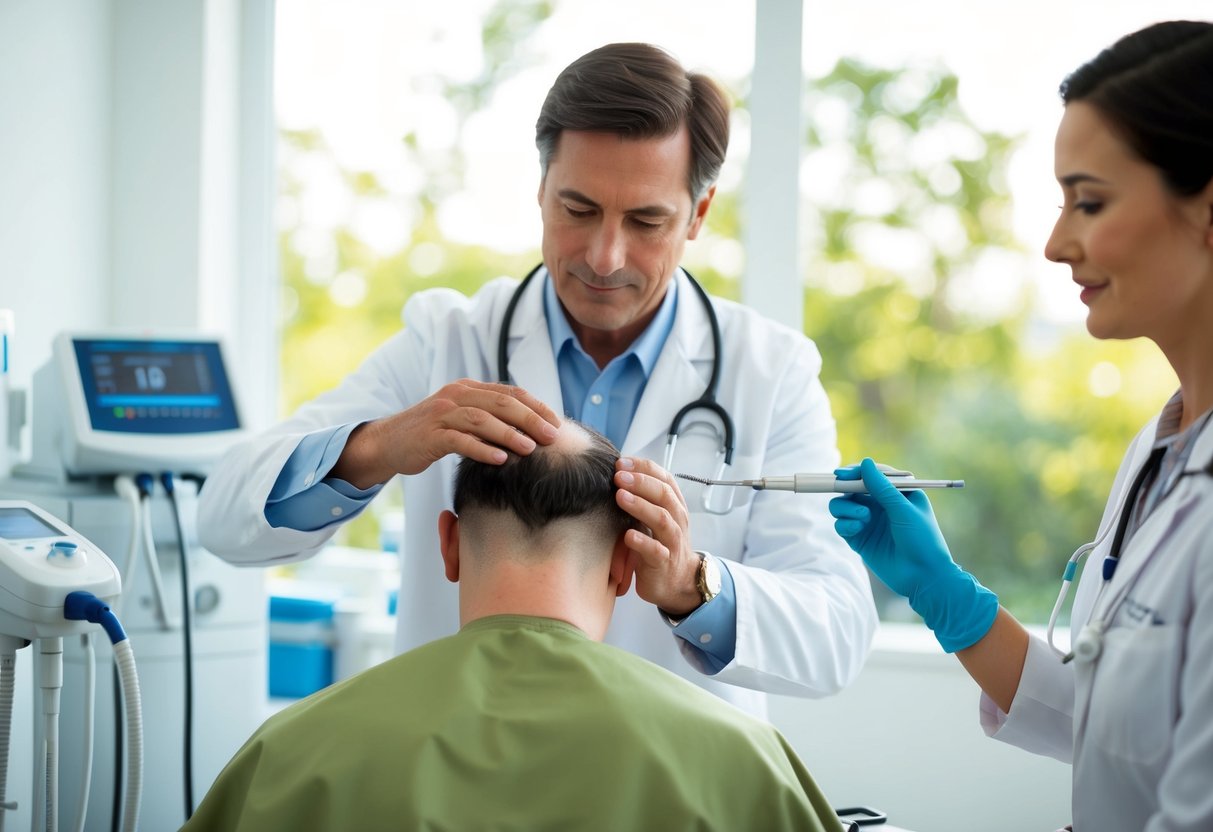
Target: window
[951, 347]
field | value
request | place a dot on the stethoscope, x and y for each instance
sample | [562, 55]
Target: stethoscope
[724, 457]
[1089, 642]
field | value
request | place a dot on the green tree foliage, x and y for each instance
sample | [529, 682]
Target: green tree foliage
[918, 381]
[898, 245]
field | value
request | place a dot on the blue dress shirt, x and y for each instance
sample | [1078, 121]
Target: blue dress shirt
[305, 498]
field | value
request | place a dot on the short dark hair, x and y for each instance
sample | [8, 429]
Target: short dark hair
[1155, 88]
[638, 91]
[547, 485]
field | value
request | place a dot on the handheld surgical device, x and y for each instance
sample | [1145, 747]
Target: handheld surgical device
[827, 483]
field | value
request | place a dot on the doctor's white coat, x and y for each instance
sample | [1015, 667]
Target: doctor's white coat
[1137, 723]
[805, 615]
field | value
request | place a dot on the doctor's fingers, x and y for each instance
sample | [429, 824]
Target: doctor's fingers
[666, 527]
[650, 469]
[511, 405]
[484, 417]
[848, 508]
[646, 553]
[654, 497]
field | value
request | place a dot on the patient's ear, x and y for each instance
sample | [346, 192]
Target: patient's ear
[448, 542]
[622, 567]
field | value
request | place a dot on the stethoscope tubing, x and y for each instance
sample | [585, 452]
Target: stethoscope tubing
[1099, 621]
[707, 401]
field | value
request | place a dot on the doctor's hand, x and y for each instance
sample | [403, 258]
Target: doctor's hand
[665, 565]
[896, 535]
[471, 418]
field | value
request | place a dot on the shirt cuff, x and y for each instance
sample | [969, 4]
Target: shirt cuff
[712, 629]
[303, 498]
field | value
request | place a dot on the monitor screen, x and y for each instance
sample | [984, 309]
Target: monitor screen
[21, 524]
[155, 386]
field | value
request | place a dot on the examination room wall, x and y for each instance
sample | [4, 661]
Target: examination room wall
[136, 177]
[905, 738]
[54, 172]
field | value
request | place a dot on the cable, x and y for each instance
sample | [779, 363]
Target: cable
[84, 606]
[145, 483]
[166, 480]
[124, 487]
[90, 705]
[119, 783]
[124, 658]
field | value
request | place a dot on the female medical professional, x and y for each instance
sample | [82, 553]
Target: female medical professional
[1132, 706]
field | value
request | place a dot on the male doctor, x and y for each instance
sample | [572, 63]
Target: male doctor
[765, 598]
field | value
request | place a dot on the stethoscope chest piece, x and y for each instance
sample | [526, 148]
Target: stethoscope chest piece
[1088, 644]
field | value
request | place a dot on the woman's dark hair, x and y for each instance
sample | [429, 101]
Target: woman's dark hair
[549, 484]
[1155, 88]
[638, 91]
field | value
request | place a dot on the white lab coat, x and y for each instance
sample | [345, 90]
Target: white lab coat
[805, 615]
[1137, 724]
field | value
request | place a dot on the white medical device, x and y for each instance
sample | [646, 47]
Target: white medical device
[55, 583]
[108, 403]
[124, 428]
[41, 561]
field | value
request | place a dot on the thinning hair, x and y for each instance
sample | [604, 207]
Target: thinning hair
[553, 483]
[638, 91]
[1154, 88]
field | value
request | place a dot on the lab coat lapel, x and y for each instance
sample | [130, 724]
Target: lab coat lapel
[680, 374]
[532, 365]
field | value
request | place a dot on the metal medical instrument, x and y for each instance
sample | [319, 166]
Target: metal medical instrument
[826, 483]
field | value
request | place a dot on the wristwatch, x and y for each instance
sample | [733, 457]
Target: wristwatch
[707, 581]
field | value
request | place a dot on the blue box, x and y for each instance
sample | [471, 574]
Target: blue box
[301, 646]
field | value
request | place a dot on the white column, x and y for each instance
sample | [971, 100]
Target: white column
[193, 180]
[772, 280]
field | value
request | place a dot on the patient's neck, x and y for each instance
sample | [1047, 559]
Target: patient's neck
[555, 587]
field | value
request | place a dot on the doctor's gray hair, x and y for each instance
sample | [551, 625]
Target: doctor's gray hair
[552, 483]
[638, 91]
[1155, 89]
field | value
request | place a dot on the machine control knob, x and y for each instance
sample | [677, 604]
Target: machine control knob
[66, 555]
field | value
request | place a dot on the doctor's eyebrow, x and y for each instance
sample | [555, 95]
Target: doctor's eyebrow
[655, 211]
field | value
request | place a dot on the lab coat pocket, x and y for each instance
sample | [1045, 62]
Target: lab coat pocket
[1134, 696]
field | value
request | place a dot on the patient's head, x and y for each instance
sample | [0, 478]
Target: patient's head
[559, 491]
[541, 534]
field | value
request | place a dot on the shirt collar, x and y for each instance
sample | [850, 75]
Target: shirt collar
[646, 348]
[1168, 420]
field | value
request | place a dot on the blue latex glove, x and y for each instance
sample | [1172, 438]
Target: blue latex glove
[896, 535]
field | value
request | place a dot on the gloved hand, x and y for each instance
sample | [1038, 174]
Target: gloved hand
[896, 535]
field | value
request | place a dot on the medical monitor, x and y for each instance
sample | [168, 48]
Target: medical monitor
[113, 403]
[156, 387]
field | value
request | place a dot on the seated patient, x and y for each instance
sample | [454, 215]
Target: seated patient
[523, 720]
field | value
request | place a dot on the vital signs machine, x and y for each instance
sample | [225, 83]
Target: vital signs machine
[54, 583]
[123, 430]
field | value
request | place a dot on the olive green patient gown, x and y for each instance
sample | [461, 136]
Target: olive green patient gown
[514, 723]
